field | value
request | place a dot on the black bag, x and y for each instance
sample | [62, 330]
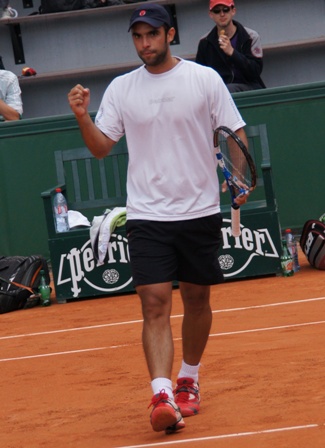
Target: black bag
[312, 243]
[48, 6]
[19, 281]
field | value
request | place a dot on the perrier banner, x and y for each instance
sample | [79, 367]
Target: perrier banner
[255, 252]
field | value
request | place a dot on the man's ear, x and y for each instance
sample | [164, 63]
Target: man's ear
[171, 35]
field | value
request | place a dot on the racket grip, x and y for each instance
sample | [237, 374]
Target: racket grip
[235, 221]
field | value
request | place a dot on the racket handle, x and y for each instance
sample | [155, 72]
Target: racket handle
[235, 221]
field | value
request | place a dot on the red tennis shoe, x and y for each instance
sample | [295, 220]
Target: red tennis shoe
[187, 396]
[165, 415]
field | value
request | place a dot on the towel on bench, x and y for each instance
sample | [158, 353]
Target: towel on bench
[101, 229]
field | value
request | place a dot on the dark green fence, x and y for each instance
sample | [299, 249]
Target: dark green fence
[296, 131]
[295, 118]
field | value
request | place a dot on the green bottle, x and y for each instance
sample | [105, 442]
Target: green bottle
[286, 261]
[45, 290]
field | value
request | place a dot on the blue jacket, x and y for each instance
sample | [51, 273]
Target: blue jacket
[246, 59]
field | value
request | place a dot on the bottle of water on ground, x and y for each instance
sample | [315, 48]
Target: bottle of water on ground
[286, 261]
[45, 290]
[60, 212]
[293, 249]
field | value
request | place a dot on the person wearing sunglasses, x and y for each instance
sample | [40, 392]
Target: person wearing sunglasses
[231, 49]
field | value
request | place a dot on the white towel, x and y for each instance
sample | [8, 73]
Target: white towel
[101, 230]
[77, 219]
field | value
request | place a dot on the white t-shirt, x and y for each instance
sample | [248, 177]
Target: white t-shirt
[10, 91]
[168, 120]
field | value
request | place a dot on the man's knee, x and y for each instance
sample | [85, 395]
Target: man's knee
[155, 299]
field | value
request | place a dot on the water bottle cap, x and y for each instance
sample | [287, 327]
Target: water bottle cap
[288, 230]
[58, 190]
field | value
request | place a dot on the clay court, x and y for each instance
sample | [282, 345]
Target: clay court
[74, 375]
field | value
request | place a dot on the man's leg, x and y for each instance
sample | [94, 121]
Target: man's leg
[157, 337]
[195, 333]
[197, 321]
[158, 347]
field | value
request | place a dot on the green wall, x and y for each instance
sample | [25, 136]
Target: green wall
[296, 130]
[27, 162]
[295, 118]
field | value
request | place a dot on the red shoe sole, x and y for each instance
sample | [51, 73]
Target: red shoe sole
[162, 418]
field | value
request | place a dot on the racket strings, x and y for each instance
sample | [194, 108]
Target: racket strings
[237, 165]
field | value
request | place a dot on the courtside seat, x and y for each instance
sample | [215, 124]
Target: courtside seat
[91, 186]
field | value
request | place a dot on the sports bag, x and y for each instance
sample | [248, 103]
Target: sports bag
[19, 281]
[312, 243]
[48, 6]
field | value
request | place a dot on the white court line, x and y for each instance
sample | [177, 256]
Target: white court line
[253, 307]
[281, 327]
[175, 339]
[70, 352]
[115, 324]
[225, 436]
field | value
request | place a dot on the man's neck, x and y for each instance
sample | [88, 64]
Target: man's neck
[166, 66]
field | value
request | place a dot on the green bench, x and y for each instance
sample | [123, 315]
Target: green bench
[92, 185]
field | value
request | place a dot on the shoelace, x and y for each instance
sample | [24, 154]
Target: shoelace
[183, 392]
[157, 399]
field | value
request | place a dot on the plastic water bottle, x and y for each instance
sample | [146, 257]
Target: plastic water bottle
[45, 290]
[60, 212]
[293, 249]
[286, 261]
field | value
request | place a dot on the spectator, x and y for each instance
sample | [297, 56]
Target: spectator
[11, 106]
[231, 49]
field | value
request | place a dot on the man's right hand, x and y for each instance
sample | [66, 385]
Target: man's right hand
[79, 99]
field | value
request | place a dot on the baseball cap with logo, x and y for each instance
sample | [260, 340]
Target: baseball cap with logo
[154, 15]
[214, 3]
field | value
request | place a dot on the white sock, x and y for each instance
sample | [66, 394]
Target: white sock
[162, 384]
[188, 371]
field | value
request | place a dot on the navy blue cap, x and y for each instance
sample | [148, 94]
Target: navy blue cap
[154, 15]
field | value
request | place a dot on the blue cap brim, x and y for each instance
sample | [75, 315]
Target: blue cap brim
[149, 21]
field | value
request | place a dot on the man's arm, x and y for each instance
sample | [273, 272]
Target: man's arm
[233, 149]
[99, 144]
[8, 113]
[242, 135]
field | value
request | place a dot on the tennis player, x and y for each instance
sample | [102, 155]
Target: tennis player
[168, 109]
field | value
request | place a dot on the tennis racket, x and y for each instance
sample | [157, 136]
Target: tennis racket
[238, 169]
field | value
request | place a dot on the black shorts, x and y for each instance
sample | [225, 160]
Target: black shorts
[175, 250]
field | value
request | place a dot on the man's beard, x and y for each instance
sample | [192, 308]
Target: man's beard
[156, 60]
